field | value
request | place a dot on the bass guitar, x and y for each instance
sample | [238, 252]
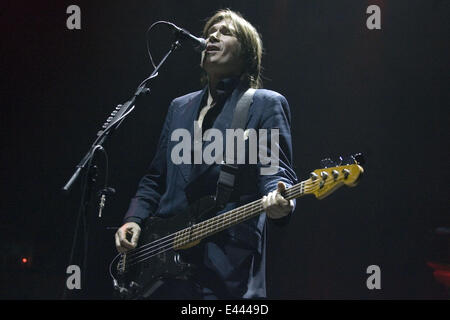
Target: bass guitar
[139, 272]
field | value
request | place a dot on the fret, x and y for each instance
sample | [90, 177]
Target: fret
[322, 183]
[223, 221]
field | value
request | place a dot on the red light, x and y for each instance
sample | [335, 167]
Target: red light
[24, 260]
[441, 272]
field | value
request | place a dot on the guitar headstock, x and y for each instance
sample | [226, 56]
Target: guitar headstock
[333, 175]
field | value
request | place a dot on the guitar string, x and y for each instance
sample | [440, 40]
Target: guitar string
[219, 219]
[168, 238]
[214, 226]
[180, 239]
[132, 253]
[146, 256]
[217, 224]
[199, 234]
[203, 228]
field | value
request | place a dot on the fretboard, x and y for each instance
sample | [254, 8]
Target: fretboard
[318, 184]
[230, 218]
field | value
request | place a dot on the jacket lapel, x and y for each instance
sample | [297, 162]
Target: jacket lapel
[186, 116]
[222, 122]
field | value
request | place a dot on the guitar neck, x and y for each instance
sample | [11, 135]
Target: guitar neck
[223, 221]
[321, 183]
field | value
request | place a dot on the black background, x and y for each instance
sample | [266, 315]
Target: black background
[380, 92]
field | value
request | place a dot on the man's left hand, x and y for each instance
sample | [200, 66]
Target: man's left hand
[275, 205]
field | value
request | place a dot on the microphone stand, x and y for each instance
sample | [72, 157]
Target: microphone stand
[112, 123]
[119, 115]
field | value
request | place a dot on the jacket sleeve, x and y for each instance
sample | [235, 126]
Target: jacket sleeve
[153, 184]
[275, 164]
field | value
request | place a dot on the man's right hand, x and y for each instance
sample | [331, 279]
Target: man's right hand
[122, 243]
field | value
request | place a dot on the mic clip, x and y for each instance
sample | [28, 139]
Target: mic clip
[103, 193]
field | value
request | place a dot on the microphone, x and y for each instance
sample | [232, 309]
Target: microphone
[182, 34]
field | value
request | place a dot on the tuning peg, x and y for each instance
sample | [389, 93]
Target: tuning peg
[356, 158]
[346, 173]
[335, 174]
[118, 107]
[313, 176]
[359, 158]
[324, 175]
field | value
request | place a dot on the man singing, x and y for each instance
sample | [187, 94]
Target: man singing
[232, 263]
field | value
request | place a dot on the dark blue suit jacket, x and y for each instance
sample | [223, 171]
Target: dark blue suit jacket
[233, 261]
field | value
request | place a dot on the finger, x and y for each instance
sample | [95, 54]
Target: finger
[281, 200]
[135, 237]
[118, 245]
[116, 237]
[273, 213]
[281, 187]
[265, 202]
[279, 211]
[123, 242]
[126, 244]
[129, 232]
[121, 234]
[272, 199]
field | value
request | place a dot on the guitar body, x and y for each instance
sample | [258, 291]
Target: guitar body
[146, 270]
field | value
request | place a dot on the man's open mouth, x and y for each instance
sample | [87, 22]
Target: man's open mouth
[212, 48]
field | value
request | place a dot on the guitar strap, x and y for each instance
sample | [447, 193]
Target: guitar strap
[230, 169]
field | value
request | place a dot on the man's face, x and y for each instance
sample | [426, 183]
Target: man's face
[222, 56]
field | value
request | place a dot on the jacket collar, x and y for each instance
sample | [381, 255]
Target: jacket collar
[225, 87]
[229, 90]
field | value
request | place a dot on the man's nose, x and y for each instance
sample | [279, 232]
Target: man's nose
[213, 37]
